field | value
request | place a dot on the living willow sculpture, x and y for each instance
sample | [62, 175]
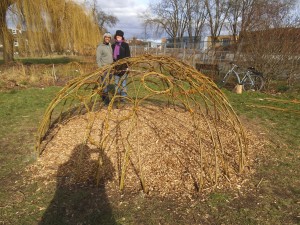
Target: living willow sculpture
[173, 116]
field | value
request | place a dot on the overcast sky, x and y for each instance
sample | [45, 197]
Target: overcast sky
[127, 11]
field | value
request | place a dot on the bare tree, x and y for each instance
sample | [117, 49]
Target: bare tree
[275, 52]
[273, 14]
[250, 15]
[169, 16]
[217, 13]
[196, 17]
[236, 13]
[269, 39]
[49, 25]
[105, 19]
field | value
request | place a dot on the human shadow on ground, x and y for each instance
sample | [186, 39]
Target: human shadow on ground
[78, 200]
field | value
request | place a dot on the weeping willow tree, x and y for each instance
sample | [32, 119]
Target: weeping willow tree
[48, 26]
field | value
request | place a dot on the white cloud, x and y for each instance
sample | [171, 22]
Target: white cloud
[128, 14]
[127, 11]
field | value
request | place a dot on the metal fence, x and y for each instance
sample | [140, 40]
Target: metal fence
[207, 55]
[275, 67]
[190, 56]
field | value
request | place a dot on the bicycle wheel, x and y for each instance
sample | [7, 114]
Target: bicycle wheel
[229, 81]
[254, 82]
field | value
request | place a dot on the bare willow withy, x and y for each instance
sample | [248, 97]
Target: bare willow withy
[173, 115]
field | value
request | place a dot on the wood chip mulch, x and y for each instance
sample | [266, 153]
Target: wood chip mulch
[162, 147]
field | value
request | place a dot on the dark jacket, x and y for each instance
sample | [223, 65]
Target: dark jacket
[124, 52]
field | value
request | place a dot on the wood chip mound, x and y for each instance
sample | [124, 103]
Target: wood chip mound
[149, 148]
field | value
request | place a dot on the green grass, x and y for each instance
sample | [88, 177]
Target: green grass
[20, 112]
[271, 196]
[55, 60]
[50, 60]
[277, 195]
[284, 124]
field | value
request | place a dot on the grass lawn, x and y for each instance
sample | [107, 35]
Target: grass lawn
[272, 196]
[50, 60]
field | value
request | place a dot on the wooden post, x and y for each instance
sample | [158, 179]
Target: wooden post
[239, 88]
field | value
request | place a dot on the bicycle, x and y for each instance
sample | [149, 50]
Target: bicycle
[252, 79]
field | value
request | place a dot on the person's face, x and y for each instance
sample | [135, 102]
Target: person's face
[119, 38]
[106, 39]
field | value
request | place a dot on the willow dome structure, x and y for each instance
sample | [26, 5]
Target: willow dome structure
[176, 131]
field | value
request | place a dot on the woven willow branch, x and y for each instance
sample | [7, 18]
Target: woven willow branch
[165, 83]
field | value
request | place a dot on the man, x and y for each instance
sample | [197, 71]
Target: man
[104, 57]
[120, 50]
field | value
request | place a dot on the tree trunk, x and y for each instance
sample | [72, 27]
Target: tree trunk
[8, 41]
[7, 38]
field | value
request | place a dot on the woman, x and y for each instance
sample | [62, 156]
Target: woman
[120, 50]
[104, 57]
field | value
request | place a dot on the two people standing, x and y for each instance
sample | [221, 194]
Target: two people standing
[106, 54]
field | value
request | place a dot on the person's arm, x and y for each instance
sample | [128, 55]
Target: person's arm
[127, 50]
[98, 56]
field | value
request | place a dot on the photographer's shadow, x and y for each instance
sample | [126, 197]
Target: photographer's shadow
[78, 200]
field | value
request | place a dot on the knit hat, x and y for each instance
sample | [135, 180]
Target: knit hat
[119, 33]
[107, 35]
